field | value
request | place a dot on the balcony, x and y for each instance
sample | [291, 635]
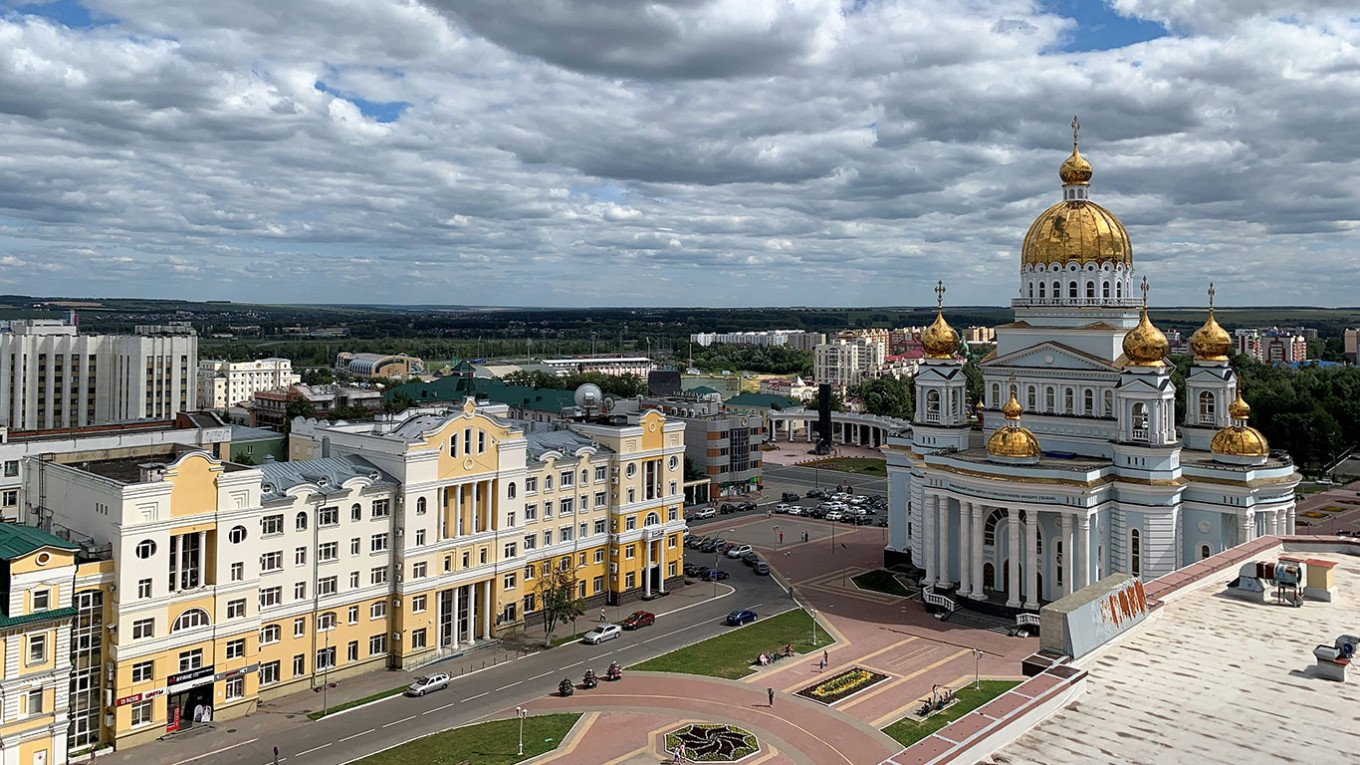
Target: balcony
[1125, 302]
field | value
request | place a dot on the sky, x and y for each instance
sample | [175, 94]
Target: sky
[669, 152]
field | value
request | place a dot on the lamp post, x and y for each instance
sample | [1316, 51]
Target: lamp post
[814, 625]
[520, 712]
[977, 666]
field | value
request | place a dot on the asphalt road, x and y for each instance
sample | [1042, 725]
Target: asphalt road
[781, 478]
[361, 732]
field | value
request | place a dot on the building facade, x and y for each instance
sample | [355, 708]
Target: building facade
[51, 376]
[366, 365]
[846, 361]
[228, 383]
[1100, 477]
[605, 365]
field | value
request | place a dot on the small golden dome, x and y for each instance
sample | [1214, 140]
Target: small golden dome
[1075, 169]
[1240, 441]
[1012, 408]
[1211, 342]
[1145, 345]
[940, 340]
[1239, 409]
[1013, 440]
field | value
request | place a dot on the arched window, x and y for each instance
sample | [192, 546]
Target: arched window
[652, 519]
[1088, 401]
[1058, 560]
[510, 490]
[1105, 290]
[145, 549]
[996, 395]
[194, 617]
[1206, 407]
[420, 504]
[1135, 553]
[1204, 552]
[1057, 290]
[585, 474]
[1140, 420]
[1031, 290]
[1043, 289]
[301, 523]
[1072, 289]
[932, 406]
[1068, 402]
[1091, 290]
[1030, 393]
[989, 530]
[1049, 399]
[1118, 289]
[1109, 403]
[547, 482]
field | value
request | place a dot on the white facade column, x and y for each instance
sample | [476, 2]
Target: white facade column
[942, 508]
[1083, 551]
[928, 538]
[486, 609]
[457, 636]
[965, 549]
[202, 558]
[1032, 569]
[174, 565]
[1289, 520]
[1247, 530]
[1069, 556]
[1013, 553]
[661, 550]
[646, 564]
[979, 586]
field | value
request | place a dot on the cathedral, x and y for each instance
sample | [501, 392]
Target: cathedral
[1082, 468]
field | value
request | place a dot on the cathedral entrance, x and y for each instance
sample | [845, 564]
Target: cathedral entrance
[988, 576]
[1006, 576]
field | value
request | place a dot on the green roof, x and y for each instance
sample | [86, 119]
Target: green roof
[764, 401]
[455, 389]
[17, 541]
[41, 616]
[702, 390]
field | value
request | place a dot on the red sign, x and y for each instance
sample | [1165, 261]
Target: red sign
[133, 699]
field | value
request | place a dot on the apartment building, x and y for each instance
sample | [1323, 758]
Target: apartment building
[224, 383]
[606, 365]
[51, 376]
[846, 361]
[1273, 345]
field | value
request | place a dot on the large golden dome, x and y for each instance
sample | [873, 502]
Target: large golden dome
[940, 340]
[1013, 440]
[1211, 342]
[1076, 230]
[1240, 439]
[1145, 345]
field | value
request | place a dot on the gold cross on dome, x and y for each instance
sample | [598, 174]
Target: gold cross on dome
[1211, 294]
[1145, 291]
[1076, 128]
[939, 294]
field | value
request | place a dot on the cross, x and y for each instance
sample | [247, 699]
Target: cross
[1211, 295]
[1011, 383]
[1076, 127]
[939, 294]
[1145, 291]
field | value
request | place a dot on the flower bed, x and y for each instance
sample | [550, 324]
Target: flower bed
[843, 685]
[707, 742]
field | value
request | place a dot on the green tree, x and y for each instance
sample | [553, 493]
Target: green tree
[556, 592]
[886, 396]
[399, 402]
[299, 407]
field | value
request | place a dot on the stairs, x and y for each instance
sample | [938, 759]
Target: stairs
[978, 620]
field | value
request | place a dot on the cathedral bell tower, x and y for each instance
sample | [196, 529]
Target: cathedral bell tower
[941, 420]
[1211, 386]
[1145, 402]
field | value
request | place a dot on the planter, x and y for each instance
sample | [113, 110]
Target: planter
[843, 685]
[709, 742]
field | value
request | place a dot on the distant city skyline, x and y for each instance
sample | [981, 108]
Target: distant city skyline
[585, 153]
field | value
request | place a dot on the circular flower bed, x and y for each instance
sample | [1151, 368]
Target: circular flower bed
[843, 685]
[711, 742]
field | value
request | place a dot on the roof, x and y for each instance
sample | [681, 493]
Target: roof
[1213, 679]
[455, 389]
[17, 541]
[327, 471]
[564, 441]
[42, 616]
[764, 401]
[246, 433]
[702, 390]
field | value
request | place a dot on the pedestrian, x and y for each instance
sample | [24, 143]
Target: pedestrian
[276, 755]
[602, 616]
[769, 692]
[822, 664]
[826, 658]
[781, 537]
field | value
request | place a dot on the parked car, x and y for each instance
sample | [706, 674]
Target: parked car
[426, 683]
[701, 572]
[750, 558]
[746, 506]
[817, 512]
[790, 496]
[795, 510]
[761, 568]
[692, 569]
[863, 520]
[638, 619]
[815, 494]
[834, 515]
[782, 507]
[716, 575]
[741, 616]
[882, 523]
[738, 550]
[727, 509]
[707, 512]
[602, 633]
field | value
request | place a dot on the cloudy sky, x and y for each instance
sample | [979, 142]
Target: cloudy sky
[679, 152]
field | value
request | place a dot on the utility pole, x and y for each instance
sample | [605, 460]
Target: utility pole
[977, 669]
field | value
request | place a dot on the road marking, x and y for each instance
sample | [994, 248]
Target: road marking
[512, 685]
[545, 674]
[356, 735]
[436, 709]
[478, 696]
[217, 751]
[569, 666]
[314, 749]
[398, 722]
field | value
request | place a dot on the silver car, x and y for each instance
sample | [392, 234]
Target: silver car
[423, 685]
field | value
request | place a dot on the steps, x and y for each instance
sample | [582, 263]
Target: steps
[966, 617]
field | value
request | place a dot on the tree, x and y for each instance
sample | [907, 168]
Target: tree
[299, 406]
[556, 592]
[885, 396]
[692, 471]
[318, 376]
[399, 402]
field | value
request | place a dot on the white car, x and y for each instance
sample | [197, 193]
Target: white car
[738, 551]
[834, 515]
[795, 510]
[782, 507]
[858, 500]
[602, 633]
[423, 685]
[840, 496]
[707, 512]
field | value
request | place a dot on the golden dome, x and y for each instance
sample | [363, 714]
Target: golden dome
[1240, 441]
[1239, 409]
[1012, 408]
[1013, 440]
[940, 340]
[1211, 342]
[1075, 169]
[1076, 231]
[1145, 345]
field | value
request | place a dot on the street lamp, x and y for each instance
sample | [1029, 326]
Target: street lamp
[521, 712]
[814, 626]
[977, 665]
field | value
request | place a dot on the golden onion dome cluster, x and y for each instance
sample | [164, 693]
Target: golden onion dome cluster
[1013, 440]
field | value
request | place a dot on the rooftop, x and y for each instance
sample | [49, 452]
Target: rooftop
[564, 441]
[763, 401]
[246, 433]
[328, 473]
[17, 541]
[1211, 679]
[128, 470]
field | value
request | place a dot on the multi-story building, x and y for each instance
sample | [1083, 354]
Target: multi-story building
[366, 365]
[210, 586]
[605, 365]
[793, 338]
[724, 445]
[846, 361]
[51, 376]
[795, 388]
[979, 335]
[227, 383]
[1273, 345]
[1350, 340]
[269, 408]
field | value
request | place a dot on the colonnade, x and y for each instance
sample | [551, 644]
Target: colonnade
[842, 431]
[468, 508]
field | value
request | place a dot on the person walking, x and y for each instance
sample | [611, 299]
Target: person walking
[826, 658]
[769, 692]
[602, 616]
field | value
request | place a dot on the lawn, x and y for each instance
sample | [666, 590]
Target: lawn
[488, 743]
[909, 730]
[880, 581]
[730, 655]
[862, 465]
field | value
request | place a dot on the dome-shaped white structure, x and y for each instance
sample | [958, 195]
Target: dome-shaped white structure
[589, 396]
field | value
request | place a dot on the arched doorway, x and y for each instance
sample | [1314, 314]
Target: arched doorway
[988, 576]
[1006, 576]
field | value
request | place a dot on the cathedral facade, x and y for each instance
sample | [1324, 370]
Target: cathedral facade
[1083, 467]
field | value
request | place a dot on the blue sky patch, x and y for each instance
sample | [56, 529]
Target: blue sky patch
[378, 111]
[1100, 28]
[68, 13]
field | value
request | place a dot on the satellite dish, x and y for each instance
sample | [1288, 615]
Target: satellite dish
[589, 396]
[608, 404]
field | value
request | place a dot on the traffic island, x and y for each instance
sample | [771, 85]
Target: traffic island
[734, 655]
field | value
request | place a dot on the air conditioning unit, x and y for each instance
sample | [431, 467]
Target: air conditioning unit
[396, 602]
[396, 637]
[613, 568]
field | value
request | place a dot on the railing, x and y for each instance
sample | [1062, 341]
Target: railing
[1110, 302]
[935, 599]
[1027, 620]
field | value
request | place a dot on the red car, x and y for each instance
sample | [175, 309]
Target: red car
[638, 619]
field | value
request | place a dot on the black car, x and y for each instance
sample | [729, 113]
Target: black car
[882, 523]
[715, 575]
[762, 568]
[815, 494]
[863, 520]
[709, 546]
[750, 558]
[815, 512]
[727, 509]
[790, 496]
[746, 506]
[701, 572]
[692, 569]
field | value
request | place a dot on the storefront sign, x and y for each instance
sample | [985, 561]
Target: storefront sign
[191, 679]
[133, 699]
[228, 674]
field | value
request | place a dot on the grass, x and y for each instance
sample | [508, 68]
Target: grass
[572, 638]
[880, 581]
[861, 465]
[1306, 488]
[909, 730]
[318, 714]
[488, 743]
[729, 656]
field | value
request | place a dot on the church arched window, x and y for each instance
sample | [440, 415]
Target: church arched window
[1030, 393]
[1043, 289]
[1119, 289]
[996, 394]
[1135, 553]
[1105, 289]
[932, 406]
[1088, 401]
[1091, 290]
[1031, 290]
[1140, 420]
[1204, 552]
[1049, 402]
[1109, 403]
[989, 530]
[1068, 402]
[1058, 560]
[1206, 408]
[1057, 290]
[1072, 288]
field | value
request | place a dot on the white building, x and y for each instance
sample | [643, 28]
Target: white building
[844, 362]
[605, 365]
[224, 383]
[51, 376]
[793, 338]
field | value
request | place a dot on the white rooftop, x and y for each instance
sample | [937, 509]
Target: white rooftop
[1212, 679]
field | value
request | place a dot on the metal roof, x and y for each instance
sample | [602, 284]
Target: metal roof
[329, 473]
[17, 541]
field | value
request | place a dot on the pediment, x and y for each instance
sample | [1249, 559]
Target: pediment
[1053, 355]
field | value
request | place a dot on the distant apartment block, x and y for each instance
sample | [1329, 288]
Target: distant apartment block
[1273, 345]
[227, 383]
[269, 408]
[846, 361]
[605, 365]
[1350, 342]
[366, 365]
[52, 376]
[792, 338]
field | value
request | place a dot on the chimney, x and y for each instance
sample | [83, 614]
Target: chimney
[152, 471]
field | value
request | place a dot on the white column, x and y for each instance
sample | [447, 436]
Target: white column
[1084, 551]
[1289, 520]
[1276, 524]
[646, 565]
[174, 566]
[965, 549]
[477, 507]
[457, 636]
[942, 523]
[928, 538]
[486, 609]
[661, 550]
[1032, 570]
[1069, 556]
[1013, 553]
[977, 510]
[1246, 532]
[202, 558]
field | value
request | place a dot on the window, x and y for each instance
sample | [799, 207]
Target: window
[143, 671]
[143, 588]
[670, 541]
[509, 582]
[191, 619]
[382, 508]
[353, 615]
[565, 534]
[1109, 403]
[10, 498]
[548, 509]
[547, 537]
[420, 534]
[630, 523]
[510, 551]
[377, 575]
[420, 504]
[566, 480]
[418, 638]
[301, 523]
[1088, 401]
[237, 535]
[325, 658]
[652, 519]
[37, 649]
[271, 561]
[418, 604]
[632, 495]
[377, 644]
[326, 621]
[327, 552]
[530, 485]
[352, 651]
[270, 596]
[599, 556]
[354, 546]
[631, 471]
[11, 468]
[299, 627]
[1048, 399]
[672, 514]
[300, 556]
[529, 603]
[1206, 408]
[356, 512]
[235, 687]
[269, 673]
[566, 506]
[629, 580]
[378, 610]
[141, 713]
[599, 473]
[1204, 552]
[236, 649]
[481, 441]
[190, 659]
[1068, 402]
[271, 525]
[377, 543]
[1135, 553]
[238, 572]
[299, 665]
[270, 634]
[599, 499]
[453, 445]
[585, 476]
[530, 542]
[599, 526]
[420, 570]
[1140, 421]
[236, 609]
[630, 552]
[326, 586]
[481, 555]
[989, 530]
[547, 483]
[530, 513]
[145, 549]
[509, 519]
